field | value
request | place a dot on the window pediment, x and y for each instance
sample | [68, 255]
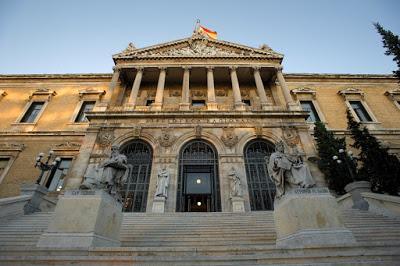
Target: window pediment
[42, 93]
[352, 92]
[304, 90]
[91, 92]
[393, 94]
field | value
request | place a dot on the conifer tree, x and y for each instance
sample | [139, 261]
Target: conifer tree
[336, 175]
[392, 44]
[377, 165]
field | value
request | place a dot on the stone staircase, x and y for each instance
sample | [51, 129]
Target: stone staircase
[203, 239]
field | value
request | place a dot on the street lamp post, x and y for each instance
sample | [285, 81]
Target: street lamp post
[46, 165]
[349, 160]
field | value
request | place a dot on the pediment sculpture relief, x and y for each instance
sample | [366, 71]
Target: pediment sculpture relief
[229, 137]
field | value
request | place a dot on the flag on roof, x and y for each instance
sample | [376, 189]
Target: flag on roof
[207, 32]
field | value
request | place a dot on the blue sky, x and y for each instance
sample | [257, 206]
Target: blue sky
[77, 36]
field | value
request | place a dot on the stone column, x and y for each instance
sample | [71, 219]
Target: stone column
[135, 87]
[184, 105]
[260, 88]
[102, 106]
[286, 93]
[236, 90]
[211, 102]
[156, 106]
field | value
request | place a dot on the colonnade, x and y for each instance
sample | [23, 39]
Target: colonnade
[211, 99]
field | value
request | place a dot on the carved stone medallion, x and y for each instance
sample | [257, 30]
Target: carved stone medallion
[290, 136]
[229, 137]
[166, 139]
[105, 137]
[197, 131]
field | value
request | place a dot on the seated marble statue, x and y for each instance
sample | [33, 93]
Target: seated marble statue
[288, 171]
[114, 174]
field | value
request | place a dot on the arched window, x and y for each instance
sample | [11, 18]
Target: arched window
[198, 182]
[261, 186]
[135, 190]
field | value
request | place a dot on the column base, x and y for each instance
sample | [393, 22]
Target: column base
[237, 204]
[212, 106]
[184, 106]
[240, 107]
[159, 205]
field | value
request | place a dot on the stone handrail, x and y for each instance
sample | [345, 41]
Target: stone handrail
[13, 206]
[378, 203]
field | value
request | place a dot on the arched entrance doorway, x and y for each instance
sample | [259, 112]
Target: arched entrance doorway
[135, 190]
[261, 187]
[198, 181]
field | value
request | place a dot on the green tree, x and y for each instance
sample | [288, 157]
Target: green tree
[377, 165]
[337, 175]
[392, 44]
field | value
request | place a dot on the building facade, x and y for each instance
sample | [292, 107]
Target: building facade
[198, 107]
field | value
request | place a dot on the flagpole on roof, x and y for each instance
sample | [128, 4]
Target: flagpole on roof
[196, 26]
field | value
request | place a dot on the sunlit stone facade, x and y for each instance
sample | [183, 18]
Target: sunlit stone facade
[195, 106]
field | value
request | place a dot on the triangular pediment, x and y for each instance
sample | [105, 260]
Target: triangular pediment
[197, 47]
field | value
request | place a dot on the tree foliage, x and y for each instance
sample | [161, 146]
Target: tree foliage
[336, 175]
[392, 44]
[377, 165]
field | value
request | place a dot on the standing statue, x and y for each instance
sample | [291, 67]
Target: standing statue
[235, 184]
[288, 171]
[114, 174]
[162, 183]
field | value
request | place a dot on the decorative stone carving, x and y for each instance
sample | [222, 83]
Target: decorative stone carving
[12, 146]
[290, 136]
[288, 171]
[197, 131]
[105, 137]
[137, 131]
[258, 131]
[198, 93]
[229, 138]
[196, 48]
[131, 48]
[235, 184]
[162, 183]
[166, 139]
[67, 146]
[175, 93]
[221, 93]
[114, 173]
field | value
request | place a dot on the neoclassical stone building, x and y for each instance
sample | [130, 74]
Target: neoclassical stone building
[199, 107]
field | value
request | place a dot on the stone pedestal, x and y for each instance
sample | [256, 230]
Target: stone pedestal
[237, 204]
[159, 205]
[212, 106]
[355, 189]
[309, 218]
[156, 107]
[37, 192]
[184, 106]
[240, 107]
[83, 219]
